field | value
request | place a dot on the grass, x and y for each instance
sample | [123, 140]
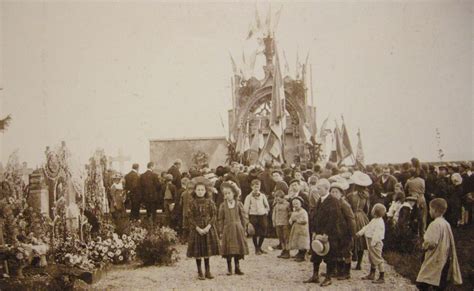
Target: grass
[408, 265]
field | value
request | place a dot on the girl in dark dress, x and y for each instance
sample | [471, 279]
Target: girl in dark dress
[203, 240]
[231, 225]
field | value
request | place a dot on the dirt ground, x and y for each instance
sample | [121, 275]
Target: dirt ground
[265, 272]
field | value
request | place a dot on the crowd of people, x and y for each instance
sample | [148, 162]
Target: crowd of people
[331, 214]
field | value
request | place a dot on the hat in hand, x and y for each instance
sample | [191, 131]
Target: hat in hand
[320, 246]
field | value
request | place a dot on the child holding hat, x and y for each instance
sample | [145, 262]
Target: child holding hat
[441, 263]
[374, 233]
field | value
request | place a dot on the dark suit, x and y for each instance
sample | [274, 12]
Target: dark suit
[327, 218]
[132, 190]
[267, 182]
[151, 190]
[174, 171]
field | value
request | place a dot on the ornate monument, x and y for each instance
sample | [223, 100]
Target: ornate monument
[252, 107]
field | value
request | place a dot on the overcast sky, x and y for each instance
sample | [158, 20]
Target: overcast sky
[116, 74]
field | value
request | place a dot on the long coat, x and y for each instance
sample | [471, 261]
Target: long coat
[439, 234]
[299, 235]
[132, 187]
[150, 187]
[327, 218]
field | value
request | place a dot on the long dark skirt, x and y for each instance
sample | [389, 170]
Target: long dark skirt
[201, 246]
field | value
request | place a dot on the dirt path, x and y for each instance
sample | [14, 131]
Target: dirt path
[261, 272]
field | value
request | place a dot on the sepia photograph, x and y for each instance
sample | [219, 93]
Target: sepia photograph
[236, 145]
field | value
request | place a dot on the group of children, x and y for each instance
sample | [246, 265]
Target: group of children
[223, 232]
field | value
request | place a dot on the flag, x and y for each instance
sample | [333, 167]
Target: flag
[277, 19]
[346, 148]
[258, 23]
[268, 20]
[360, 152]
[258, 141]
[287, 67]
[243, 143]
[273, 148]
[234, 66]
[306, 134]
[338, 140]
[298, 65]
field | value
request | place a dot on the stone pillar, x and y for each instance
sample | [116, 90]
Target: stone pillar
[39, 194]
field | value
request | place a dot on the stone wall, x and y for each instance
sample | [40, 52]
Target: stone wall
[163, 152]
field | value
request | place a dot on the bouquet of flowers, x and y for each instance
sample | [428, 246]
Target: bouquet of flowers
[159, 247]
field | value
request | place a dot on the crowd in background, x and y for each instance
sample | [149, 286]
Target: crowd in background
[285, 201]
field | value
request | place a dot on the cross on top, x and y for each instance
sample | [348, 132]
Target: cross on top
[120, 159]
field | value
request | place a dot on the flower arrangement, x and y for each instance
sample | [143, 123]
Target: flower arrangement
[159, 247]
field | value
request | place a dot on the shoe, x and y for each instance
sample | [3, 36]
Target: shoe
[327, 281]
[258, 252]
[285, 255]
[238, 271]
[262, 251]
[379, 281]
[201, 276]
[277, 247]
[370, 276]
[313, 279]
[344, 277]
[299, 259]
[209, 276]
[229, 273]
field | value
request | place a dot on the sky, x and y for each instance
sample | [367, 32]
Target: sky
[115, 74]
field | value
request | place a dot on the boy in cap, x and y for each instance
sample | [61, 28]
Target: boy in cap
[440, 264]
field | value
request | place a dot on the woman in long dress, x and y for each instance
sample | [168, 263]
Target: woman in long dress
[359, 201]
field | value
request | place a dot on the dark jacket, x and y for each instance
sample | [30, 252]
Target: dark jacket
[150, 187]
[132, 187]
[174, 171]
[267, 182]
[327, 218]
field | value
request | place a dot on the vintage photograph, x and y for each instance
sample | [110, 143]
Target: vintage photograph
[236, 145]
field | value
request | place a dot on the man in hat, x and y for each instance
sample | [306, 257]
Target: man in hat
[151, 190]
[387, 183]
[132, 192]
[170, 199]
[174, 170]
[325, 220]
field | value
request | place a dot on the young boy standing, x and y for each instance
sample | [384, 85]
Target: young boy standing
[280, 219]
[374, 233]
[256, 208]
[441, 263]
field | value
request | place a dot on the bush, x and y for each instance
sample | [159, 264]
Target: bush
[159, 247]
